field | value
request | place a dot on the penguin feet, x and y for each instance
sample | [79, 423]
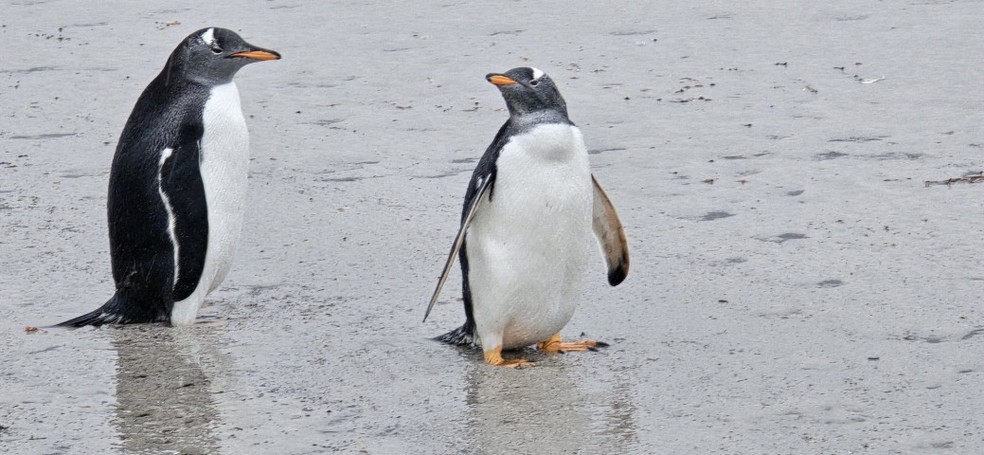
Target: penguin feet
[554, 345]
[494, 357]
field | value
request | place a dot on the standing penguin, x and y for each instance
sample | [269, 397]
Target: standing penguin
[526, 224]
[177, 189]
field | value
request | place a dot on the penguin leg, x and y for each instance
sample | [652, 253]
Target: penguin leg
[494, 357]
[555, 345]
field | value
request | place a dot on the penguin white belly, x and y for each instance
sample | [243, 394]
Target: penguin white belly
[527, 249]
[223, 166]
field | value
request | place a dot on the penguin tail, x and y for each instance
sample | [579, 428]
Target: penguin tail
[462, 336]
[107, 314]
[94, 318]
[114, 311]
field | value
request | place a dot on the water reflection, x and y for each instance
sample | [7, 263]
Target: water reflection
[164, 400]
[546, 410]
[619, 427]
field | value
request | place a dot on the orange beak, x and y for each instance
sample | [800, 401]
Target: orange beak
[499, 79]
[258, 55]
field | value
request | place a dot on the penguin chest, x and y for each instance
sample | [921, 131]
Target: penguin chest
[224, 171]
[528, 247]
[223, 162]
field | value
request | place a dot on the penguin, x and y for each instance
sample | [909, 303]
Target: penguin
[177, 188]
[525, 234]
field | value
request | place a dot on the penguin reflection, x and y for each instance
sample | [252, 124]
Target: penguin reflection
[164, 402]
[546, 410]
[539, 410]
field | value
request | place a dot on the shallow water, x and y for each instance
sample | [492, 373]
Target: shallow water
[795, 286]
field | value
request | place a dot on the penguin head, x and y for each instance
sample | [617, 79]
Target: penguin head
[213, 56]
[528, 90]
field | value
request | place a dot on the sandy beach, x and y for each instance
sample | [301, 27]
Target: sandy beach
[796, 286]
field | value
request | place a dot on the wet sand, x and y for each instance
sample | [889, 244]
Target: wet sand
[795, 285]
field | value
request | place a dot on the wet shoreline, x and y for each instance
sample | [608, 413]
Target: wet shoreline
[796, 286]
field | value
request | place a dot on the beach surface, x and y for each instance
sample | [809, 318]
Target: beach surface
[796, 286]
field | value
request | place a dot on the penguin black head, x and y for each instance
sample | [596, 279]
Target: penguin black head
[213, 55]
[528, 90]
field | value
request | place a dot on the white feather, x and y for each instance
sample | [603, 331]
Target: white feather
[528, 248]
[208, 36]
[224, 165]
[171, 220]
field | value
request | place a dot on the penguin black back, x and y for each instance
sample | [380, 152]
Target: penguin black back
[156, 193]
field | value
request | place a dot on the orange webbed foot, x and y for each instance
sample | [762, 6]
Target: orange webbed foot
[555, 345]
[494, 357]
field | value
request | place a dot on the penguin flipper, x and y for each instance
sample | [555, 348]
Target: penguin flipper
[611, 235]
[459, 240]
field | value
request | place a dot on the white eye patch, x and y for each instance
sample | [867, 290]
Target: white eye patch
[209, 36]
[537, 73]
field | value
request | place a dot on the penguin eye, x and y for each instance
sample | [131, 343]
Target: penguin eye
[216, 49]
[535, 82]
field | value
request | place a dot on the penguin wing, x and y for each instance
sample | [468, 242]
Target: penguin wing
[483, 188]
[611, 235]
[181, 182]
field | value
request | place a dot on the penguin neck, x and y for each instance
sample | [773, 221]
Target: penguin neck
[527, 120]
[176, 70]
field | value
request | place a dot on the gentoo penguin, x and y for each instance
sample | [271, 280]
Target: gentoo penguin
[178, 184]
[524, 237]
